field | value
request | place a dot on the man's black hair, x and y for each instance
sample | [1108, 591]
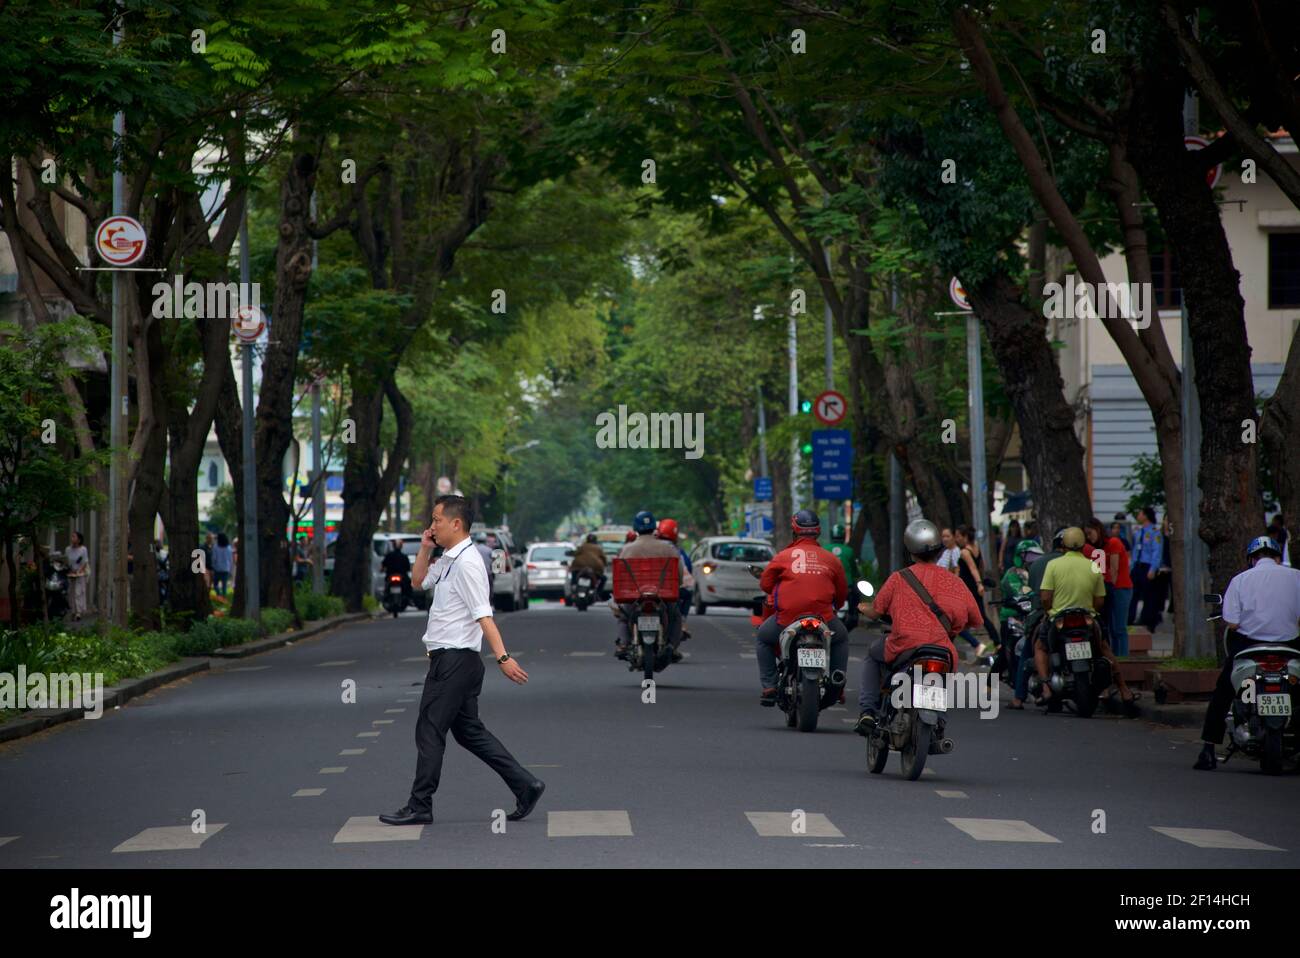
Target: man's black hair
[456, 507]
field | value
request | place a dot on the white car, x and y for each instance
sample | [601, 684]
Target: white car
[509, 571]
[722, 575]
[548, 568]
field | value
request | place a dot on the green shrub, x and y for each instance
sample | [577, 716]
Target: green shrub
[369, 603]
[311, 606]
[214, 633]
[276, 620]
[26, 647]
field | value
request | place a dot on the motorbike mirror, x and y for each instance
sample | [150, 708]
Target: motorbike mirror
[866, 588]
[755, 570]
[1212, 597]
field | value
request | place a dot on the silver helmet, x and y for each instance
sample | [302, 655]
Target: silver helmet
[921, 538]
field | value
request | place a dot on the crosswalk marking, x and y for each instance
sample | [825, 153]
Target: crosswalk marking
[353, 751]
[1002, 830]
[781, 825]
[333, 770]
[585, 824]
[167, 838]
[322, 665]
[1214, 838]
[954, 793]
[368, 828]
[308, 792]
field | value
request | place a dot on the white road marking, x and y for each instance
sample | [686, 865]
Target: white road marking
[382, 722]
[781, 825]
[308, 792]
[748, 655]
[368, 828]
[249, 668]
[367, 735]
[322, 665]
[333, 770]
[581, 654]
[955, 793]
[353, 751]
[393, 711]
[417, 658]
[168, 838]
[1002, 830]
[585, 824]
[6, 839]
[1214, 838]
[829, 845]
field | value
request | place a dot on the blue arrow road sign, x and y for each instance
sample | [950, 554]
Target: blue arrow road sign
[832, 470]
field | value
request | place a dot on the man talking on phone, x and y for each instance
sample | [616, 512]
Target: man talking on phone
[460, 615]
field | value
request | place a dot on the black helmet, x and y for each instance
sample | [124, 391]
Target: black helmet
[644, 522]
[805, 523]
[1058, 538]
[921, 538]
[591, 537]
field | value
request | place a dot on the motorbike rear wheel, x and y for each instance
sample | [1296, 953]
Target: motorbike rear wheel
[1270, 757]
[877, 752]
[916, 749]
[648, 661]
[1085, 696]
[810, 695]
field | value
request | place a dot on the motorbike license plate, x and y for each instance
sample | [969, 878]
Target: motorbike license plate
[648, 624]
[930, 697]
[1273, 704]
[811, 658]
[394, 590]
[1075, 651]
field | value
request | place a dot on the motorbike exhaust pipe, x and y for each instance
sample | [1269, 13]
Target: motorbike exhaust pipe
[945, 745]
[838, 677]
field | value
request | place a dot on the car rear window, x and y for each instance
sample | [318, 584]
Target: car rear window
[549, 554]
[741, 552]
[410, 546]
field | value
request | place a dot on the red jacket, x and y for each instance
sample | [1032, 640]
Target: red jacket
[804, 579]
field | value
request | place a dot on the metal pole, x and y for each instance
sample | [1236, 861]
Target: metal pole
[830, 332]
[978, 478]
[118, 592]
[317, 457]
[793, 343]
[762, 435]
[248, 552]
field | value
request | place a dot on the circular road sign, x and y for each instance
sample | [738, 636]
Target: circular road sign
[830, 407]
[120, 240]
[248, 324]
[1199, 143]
[958, 294]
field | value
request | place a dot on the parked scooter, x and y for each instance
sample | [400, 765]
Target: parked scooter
[1262, 724]
[56, 587]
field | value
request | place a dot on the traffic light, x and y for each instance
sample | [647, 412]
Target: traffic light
[805, 406]
[806, 449]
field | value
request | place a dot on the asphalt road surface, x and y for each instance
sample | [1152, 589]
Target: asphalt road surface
[281, 772]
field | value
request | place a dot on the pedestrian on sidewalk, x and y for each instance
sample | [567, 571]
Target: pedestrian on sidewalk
[78, 576]
[1148, 551]
[460, 615]
[223, 560]
[1119, 583]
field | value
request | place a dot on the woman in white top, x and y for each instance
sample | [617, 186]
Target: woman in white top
[951, 555]
[78, 575]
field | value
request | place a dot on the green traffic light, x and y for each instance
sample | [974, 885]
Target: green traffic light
[805, 405]
[807, 449]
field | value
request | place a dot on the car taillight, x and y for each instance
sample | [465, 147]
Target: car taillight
[933, 665]
[1271, 662]
[809, 623]
[531, 566]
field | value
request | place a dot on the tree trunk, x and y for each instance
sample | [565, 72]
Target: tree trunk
[142, 513]
[230, 436]
[1280, 429]
[1050, 448]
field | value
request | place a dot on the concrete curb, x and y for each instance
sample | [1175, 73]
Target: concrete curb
[38, 720]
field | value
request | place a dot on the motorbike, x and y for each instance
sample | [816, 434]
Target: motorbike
[56, 588]
[1262, 723]
[914, 727]
[1016, 611]
[649, 651]
[805, 683]
[1077, 670]
[584, 591]
[395, 590]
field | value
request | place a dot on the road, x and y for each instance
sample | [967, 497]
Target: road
[285, 773]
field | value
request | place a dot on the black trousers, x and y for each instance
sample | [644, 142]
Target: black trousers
[450, 703]
[1216, 714]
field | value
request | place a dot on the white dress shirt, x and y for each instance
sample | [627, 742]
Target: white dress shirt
[1264, 602]
[460, 599]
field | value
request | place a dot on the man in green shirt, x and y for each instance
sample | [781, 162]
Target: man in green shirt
[842, 550]
[1073, 582]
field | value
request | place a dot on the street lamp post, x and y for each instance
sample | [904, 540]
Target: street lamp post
[505, 480]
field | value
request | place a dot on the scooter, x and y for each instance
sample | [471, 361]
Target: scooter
[584, 590]
[1077, 670]
[913, 725]
[56, 589]
[395, 590]
[1262, 723]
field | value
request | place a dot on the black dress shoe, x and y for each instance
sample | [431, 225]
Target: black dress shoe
[527, 801]
[406, 815]
[1206, 761]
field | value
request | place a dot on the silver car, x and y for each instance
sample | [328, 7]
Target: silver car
[722, 575]
[509, 572]
[548, 568]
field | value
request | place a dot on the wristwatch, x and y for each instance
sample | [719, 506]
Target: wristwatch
[502, 659]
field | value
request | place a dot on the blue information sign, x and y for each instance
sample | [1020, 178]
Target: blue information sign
[763, 489]
[832, 470]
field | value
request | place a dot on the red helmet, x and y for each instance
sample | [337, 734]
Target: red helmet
[667, 529]
[631, 535]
